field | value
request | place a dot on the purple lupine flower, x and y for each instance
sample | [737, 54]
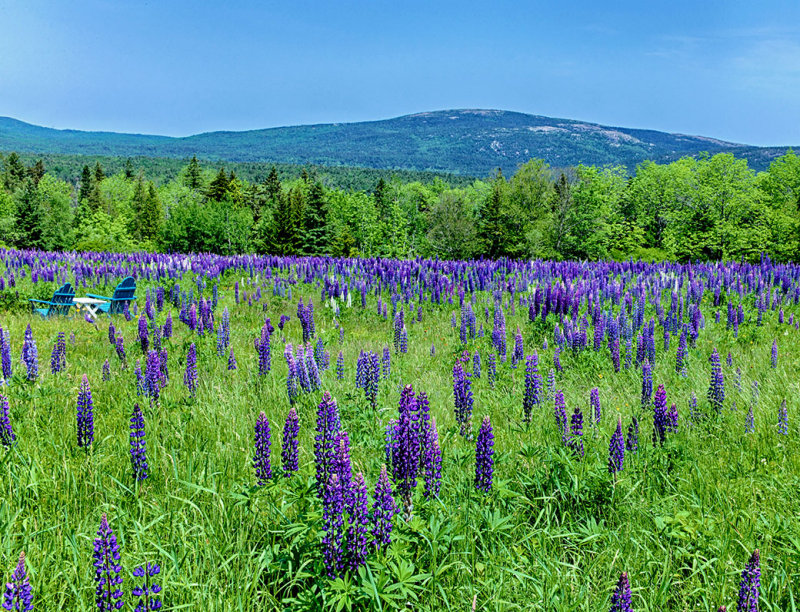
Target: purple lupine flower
[492, 369]
[405, 451]
[660, 416]
[519, 350]
[85, 414]
[341, 462]
[615, 354]
[144, 338]
[774, 354]
[433, 350]
[783, 420]
[358, 521]
[499, 331]
[30, 355]
[18, 595]
[149, 589]
[289, 449]
[138, 445]
[263, 349]
[716, 387]
[383, 510]
[594, 404]
[106, 371]
[647, 383]
[729, 360]
[533, 385]
[107, 569]
[462, 396]
[576, 432]
[261, 460]
[119, 345]
[314, 380]
[333, 526]
[557, 359]
[58, 359]
[616, 450]
[632, 440]
[693, 415]
[7, 436]
[404, 340]
[140, 381]
[152, 376]
[750, 585]
[680, 356]
[484, 456]
[551, 385]
[5, 355]
[621, 599]
[671, 424]
[232, 361]
[340, 366]
[328, 425]
[166, 334]
[476, 365]
[560, 411]
[372, 376]
[749, 422]
[431, 460]
[190, 375]
[387, 362]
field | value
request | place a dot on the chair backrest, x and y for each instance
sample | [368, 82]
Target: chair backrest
[62, 300]
[124, 293]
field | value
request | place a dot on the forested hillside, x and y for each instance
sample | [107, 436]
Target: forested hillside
[471, 142]
[714, 207]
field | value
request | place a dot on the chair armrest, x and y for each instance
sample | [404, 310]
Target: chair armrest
[98, 297]
[40, 301]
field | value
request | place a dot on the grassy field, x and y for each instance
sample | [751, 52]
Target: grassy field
[554, 534]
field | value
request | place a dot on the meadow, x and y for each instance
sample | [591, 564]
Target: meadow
[552, 520]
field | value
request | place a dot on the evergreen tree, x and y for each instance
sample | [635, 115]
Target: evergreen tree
[128, 169]
[381, 198]
[99, 175]
[29, 218]
[491, 230]
[218, 189]
[86, 184]
[273, 186]
[36, 172]
[315, 220]
[284, 229]
[193, 175]
[150, 217]
[14, 174]
[138, 205]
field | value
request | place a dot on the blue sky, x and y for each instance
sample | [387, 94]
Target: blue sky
[725, 69]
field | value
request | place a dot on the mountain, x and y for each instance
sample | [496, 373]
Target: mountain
[471, 142]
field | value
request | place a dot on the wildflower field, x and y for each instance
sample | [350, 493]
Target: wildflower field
[275, 433]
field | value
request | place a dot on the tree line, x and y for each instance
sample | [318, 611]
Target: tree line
[708, 207]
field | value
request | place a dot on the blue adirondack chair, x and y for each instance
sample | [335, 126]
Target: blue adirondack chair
[123, 294]
[60, 304]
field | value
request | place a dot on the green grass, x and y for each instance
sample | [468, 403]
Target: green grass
[554, 534]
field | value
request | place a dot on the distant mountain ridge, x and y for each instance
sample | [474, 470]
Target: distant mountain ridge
[467, 141]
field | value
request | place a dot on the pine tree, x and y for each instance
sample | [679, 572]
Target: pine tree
[29, 218]
[193, 175]
[86, 184]
[138, 205]
[36, 172]
[14, 175]
[315, 219]
[150, 217]
[381, 198]
[218, 189]
[273, 186]
[128, 169]
[491, 230]
[99, 175]
[283, 228]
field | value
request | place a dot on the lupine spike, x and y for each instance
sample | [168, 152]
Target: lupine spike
[18, 595]
[107, 569]
[484, 456]
[261, 458]
[289, 448]
[85, 415]
[7, 436]
[138, 445]
[621, 599]
[750, 585]
[616, 450]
